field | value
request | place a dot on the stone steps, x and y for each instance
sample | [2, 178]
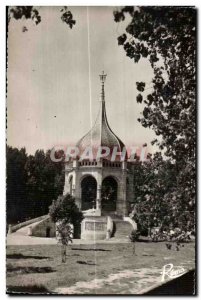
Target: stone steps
[122, 229]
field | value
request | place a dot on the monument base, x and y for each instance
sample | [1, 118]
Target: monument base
[96, 228]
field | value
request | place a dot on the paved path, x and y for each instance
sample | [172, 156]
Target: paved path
[18, 238]
[123, 282]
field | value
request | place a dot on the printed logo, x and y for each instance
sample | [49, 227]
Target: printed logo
[172, 272]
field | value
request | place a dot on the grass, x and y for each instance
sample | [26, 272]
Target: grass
[38, 268]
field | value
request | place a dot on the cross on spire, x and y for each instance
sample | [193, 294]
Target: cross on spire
[102, 79]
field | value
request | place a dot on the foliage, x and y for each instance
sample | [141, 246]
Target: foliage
[45, 181]
[65, 209]
[65, 212]
[26, 12]
[175, 238]
[65, 233]
[67, 17]
[30, 12]
[154, 181]
[166, 36]
[64, 237]
[33, 181]
[134, 236]
[16, 178]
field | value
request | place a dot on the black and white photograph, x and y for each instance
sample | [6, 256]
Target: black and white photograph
[101, 113]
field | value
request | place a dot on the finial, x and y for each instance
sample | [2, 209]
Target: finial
[103, 78]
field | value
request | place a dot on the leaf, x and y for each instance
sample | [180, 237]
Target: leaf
[140, 86]
[139, 98]
[121, 39]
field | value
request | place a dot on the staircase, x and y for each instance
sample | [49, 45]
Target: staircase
[25, 230]
[122, 229]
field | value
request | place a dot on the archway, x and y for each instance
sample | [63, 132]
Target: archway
[89, 189]
[109, 194]
[48, 231]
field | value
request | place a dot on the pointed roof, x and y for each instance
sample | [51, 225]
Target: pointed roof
[101, 134]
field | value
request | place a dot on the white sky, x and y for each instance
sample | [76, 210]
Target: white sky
[48, 98]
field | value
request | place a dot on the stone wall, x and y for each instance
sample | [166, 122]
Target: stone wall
[45, 228]
[26, 223]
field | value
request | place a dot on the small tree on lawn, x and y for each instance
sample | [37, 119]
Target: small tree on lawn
[133, 238]
[64, 236]
[65, 213]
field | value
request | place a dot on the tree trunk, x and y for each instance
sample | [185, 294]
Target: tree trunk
[134, 249]
[63, 253]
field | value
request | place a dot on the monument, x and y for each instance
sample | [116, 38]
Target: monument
[100, 186]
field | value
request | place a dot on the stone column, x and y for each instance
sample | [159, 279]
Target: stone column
[98, 198]
[75, 163]
[124, 190]
[9, 229]
[76, 189]
[122, 195]
[73, 190]
[124, 165]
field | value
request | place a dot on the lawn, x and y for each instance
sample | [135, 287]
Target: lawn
[39, 268]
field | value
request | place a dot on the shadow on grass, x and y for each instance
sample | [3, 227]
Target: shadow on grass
[21, 256]
[27, 270]
[92, 249]
[29, 289]
[81, 262]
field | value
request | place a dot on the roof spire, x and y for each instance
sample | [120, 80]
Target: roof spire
[102, 79]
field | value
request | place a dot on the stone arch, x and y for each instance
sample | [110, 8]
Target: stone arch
[114, 177]
[47, 232]
[88, 185]
[109, 193]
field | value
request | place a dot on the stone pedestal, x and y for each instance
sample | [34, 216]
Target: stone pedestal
[10, 229]
[29, 231]
[94, 228]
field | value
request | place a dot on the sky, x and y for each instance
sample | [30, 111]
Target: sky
[53, 80]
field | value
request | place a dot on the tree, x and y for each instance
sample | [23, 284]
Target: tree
[166, 36]
[33, 181]
[64, 236]
[153, 180]
[63, 213]
[16, 193]
[45, 182]
[133, 238]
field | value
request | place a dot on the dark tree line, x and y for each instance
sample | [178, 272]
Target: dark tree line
[33, 182]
